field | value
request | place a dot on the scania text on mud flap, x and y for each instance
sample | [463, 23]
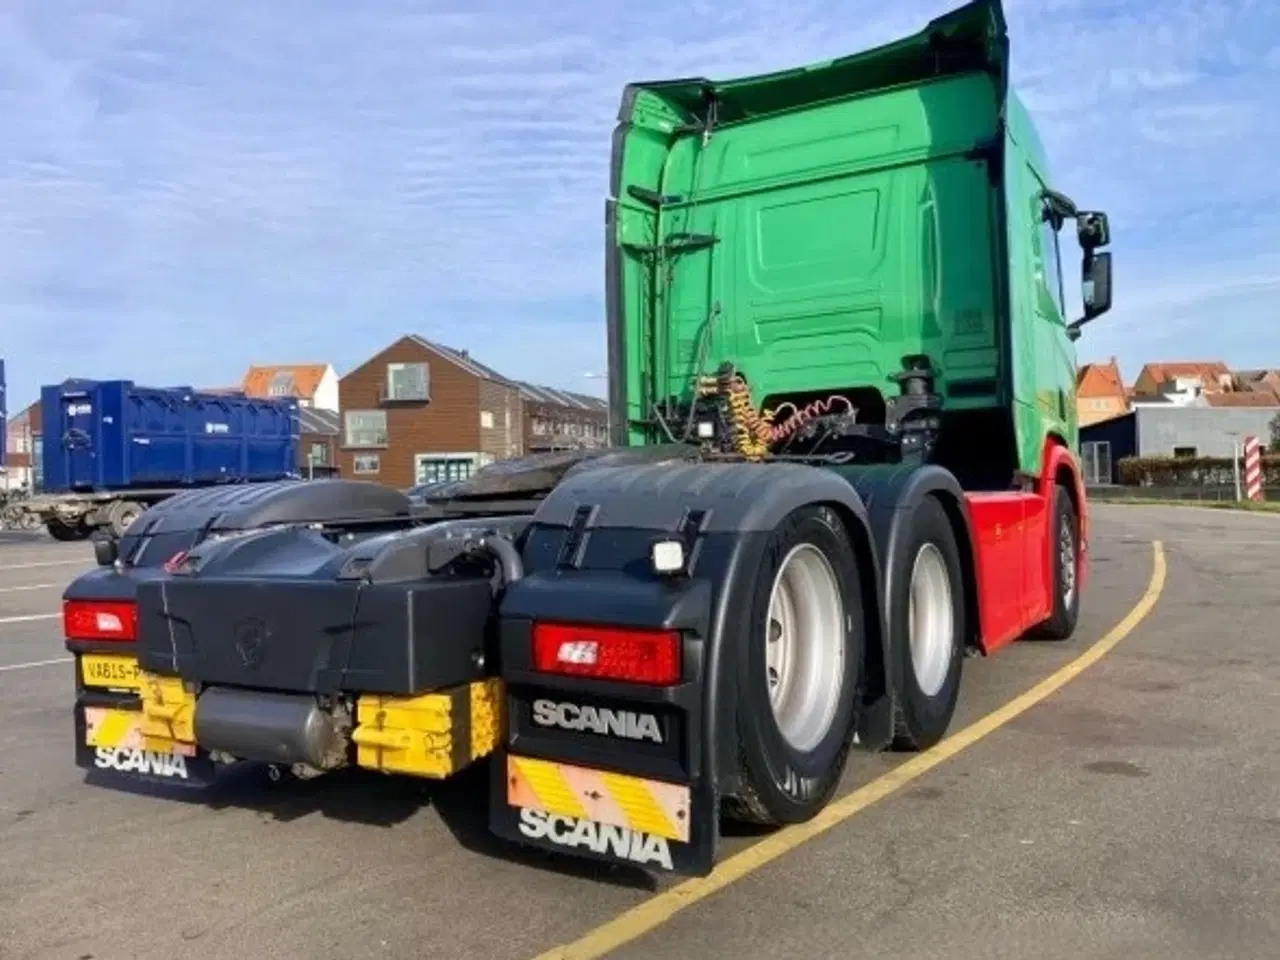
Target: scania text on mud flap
[842, 402]
[604, 721]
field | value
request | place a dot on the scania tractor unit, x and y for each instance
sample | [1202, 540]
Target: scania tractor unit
[842, 461]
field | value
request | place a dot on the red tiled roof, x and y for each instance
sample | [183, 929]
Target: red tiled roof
[1100, 380]
[1209, 372]
[1242, 399]
[306, 379]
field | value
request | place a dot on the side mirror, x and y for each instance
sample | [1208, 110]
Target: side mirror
[1092, 230]
[1095, 283]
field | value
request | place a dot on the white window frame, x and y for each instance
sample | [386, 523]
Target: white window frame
[281, 385]
[486, 419]
[356, 437]
[414, 396]
[372, 464]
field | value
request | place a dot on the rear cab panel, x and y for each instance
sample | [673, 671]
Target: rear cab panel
[795, 224]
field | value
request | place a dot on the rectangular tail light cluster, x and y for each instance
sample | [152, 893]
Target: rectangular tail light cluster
[630, 655]
[100, 620]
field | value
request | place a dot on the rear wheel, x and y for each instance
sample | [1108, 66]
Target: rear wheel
[67, 532]
[926, 627]
[798, 671]
[122, 515]
[1064, 530]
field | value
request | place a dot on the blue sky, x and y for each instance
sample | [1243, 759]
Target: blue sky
[188, 188]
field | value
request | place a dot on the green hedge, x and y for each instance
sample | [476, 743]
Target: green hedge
[1190, 471]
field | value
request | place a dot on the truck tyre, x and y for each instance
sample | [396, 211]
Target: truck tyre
[122, 515]
[1064, 531]
[798, 671]
[926, 629]
[66, 532]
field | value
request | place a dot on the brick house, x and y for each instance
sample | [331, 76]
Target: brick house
[319, 437]
[419, 411]
[562, 420]
[22, 449]
[1100, 392]
[315, 386]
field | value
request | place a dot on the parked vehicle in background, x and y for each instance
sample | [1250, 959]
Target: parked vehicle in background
[4, 426]
[114, 448]
[844, 425]
[12, 515]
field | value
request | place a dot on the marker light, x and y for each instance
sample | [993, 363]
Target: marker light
[668, 556]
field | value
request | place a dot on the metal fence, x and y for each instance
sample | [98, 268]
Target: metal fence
[1113, 491]
[1095, 459]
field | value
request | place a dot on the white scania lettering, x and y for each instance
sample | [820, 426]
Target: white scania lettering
[601, 838]
[598, 720]
[141, 761]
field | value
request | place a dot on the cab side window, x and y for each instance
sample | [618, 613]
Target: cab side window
[1051, 262]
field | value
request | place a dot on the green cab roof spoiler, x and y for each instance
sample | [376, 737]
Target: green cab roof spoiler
[970, 38]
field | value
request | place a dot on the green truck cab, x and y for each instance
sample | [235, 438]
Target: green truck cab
[843, 460]
[824, 227]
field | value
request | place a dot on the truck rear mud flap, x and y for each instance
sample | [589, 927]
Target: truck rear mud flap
[608, 766]
[112, 740]
[599, 813]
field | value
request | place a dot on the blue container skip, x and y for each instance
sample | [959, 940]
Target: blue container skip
[107, 435]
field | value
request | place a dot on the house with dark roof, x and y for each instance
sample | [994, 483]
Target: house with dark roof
[318, 441]
[556, 419]
[419, 412]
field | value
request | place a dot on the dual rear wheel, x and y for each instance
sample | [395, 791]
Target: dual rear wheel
[801, 672]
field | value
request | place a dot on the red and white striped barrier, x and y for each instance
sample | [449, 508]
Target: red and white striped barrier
[1252, 469]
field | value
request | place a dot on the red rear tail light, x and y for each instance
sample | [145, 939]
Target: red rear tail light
[99, 620]
[608, 653]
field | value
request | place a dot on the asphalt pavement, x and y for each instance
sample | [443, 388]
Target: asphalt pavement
[1133, 813]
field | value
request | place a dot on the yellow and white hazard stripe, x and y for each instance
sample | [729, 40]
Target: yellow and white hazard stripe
[649, 806]
[122, 730]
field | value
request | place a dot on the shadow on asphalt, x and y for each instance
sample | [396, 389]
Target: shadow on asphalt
[371, 799]
[25, 538]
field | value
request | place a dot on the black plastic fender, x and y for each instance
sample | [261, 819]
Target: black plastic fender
[587, 558]
[248, 505]
[736, 497]
[890, 493]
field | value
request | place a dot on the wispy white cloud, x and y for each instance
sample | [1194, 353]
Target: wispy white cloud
[185, 188]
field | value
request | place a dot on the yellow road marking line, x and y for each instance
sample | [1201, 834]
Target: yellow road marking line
[657, 910]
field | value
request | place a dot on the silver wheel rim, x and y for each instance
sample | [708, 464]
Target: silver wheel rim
[929, 618]
[1067, 563]
[804, 647]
